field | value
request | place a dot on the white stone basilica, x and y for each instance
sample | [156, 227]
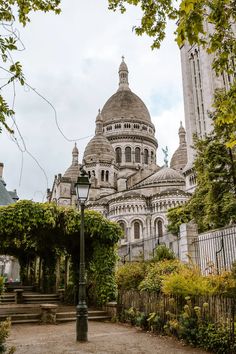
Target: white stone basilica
[127, 185]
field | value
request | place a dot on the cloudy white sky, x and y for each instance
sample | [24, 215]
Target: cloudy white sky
[72, 60]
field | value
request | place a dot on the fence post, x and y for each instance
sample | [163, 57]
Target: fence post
[188, 232]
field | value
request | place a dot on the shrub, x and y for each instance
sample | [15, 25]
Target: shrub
[129, 275]
[188, 282]
[4, 333]
[1, 285]
[162, 252]
[155, 273]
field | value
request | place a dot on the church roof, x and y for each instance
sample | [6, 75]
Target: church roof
[5, 197]
[125, 104]
[99, 148]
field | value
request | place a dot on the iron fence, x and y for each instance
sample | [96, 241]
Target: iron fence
[216, 250]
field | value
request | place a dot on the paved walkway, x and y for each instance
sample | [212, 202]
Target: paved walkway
[104, 338]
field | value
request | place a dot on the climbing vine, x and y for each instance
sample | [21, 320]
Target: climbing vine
[29, 230]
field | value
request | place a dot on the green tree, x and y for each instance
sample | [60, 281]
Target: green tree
[10, 11]
[213, 203]
[192, 17]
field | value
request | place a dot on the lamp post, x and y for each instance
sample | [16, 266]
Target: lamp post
[82, 189]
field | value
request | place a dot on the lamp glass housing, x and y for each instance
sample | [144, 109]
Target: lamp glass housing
[82, 188]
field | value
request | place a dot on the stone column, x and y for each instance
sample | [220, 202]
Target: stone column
[19, 296]
[48, 313]
[188, 232]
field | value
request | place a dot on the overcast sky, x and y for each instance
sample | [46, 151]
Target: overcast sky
[72, 60]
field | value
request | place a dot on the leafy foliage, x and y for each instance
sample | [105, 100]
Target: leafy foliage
[4, 333]
[162, 252]
[29, 229]
[10, 11]
[129, 275]
[156, 272]
[187, 282]
[213, 204]
[1, 285]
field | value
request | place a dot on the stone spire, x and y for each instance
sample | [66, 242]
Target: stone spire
[182, 134]
[75, 156]
[123, 76]
[99, 124]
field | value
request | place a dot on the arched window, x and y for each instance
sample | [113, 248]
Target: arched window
[118, 155]
[146, 156]
[127, 154]
[122, 225]
[102, 175]
[136, 230]
[137, 154]
[159, 226]
[152, 156]
[107, 176]
[89, 174]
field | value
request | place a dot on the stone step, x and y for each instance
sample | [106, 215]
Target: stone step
[7, 299]
[31, 313]
[20, 316]
[41, 298]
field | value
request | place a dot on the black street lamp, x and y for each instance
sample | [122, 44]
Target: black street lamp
[82, 189]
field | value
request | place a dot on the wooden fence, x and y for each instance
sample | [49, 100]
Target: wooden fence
[219, 309]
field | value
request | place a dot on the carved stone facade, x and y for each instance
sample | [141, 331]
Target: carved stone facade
[127, 186]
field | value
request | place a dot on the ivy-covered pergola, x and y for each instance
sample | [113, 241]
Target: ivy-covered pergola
[43, 236]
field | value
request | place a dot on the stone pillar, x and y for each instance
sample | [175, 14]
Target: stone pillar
[48, 313]
[188, 232]
[19, 296]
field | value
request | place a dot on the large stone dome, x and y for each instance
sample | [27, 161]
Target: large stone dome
[99, 148]
[124, 104]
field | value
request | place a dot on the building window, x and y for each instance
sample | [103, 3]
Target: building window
[89, 174]
[102, 175]
[107, 176]
[136, 230]
[152, 156]
[137, 154]
[122, 225]
[160, 228]
[127, 154]
[118, 155]
[146, 156]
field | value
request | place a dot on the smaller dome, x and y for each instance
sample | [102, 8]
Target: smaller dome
[73, 171]
[164, 175]
[179, 158]
[99, 148]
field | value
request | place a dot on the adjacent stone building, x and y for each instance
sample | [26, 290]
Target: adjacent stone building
[127, 185]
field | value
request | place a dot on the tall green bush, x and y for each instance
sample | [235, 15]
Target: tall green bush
[129, 275]
[155, 273]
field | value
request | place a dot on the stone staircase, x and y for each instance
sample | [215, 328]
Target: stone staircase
[7, 298]
[66, 314]
[19, 314]
[35, 298]
[30, 311]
